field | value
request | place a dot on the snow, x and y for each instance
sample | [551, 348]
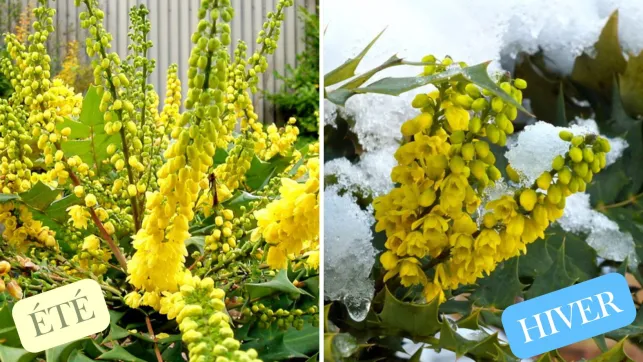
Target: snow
[603, 234]
[474, 31]
[378, 118]
[348, 253]
[371, 175]
[533, 151]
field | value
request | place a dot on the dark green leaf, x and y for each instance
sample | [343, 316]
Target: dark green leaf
[555, 278]
[600, 342]
[196, 241]
[347, 69]
[239, 199]
[61, 353]
[501, 288]
[261, 172]
[58, 209]
[119, 353]
[78, 356]
[279, 283]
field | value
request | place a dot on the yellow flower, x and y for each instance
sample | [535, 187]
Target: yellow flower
[411, 273]
[91, 243]
[457, 117]
[79, 216]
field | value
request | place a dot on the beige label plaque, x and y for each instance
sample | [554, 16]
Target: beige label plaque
[61, 315]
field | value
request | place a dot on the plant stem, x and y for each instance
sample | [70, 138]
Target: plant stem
[101, 228]
[159, 358]
[630, 200]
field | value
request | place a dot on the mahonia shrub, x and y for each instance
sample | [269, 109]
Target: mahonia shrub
[459, 222]
[200, 224]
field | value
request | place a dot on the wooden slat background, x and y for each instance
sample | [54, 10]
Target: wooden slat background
[173, 22]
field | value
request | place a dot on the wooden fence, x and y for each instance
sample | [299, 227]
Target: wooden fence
[173, 22]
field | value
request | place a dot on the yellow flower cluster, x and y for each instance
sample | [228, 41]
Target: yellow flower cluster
[276, 141]
[158, 263]
[172, 105]
[232, 173]
[200, 311]
[290, 224]
[443, 171]
[20, 228]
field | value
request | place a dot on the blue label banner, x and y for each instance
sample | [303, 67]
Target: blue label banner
[569, 315]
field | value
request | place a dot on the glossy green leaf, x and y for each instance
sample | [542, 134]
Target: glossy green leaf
[418, 320]
[78, 130]
[90, 114]
[40, 196]
[347, 69]
[280, 283]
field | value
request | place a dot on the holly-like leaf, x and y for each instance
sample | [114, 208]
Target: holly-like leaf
[555, 278]
[260, 172]
[476, 74]
[484, 348]
[615, 354]
[274, 344]
[280, 283]
[416, 320]
[118, 353]
[347, 69]
[241, 198]
[78, 356]
[500, 289]
[598, 72]
[63, 352]
[15, 354]
[633, 330]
